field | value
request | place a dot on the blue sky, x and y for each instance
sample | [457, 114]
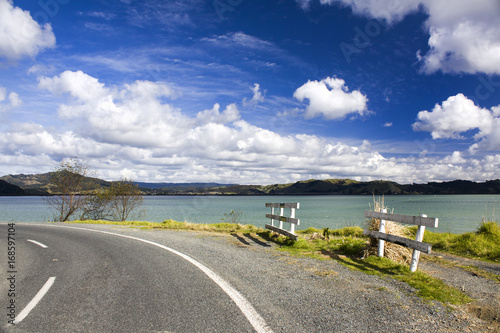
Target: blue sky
[252, 92]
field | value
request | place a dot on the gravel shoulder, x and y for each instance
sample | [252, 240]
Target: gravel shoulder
[478, 279]
[309, 295]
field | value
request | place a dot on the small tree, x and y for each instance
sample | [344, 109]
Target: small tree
[125, 197]
[97, 206]
[68, 182]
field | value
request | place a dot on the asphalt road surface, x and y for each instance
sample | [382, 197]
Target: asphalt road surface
[106, 283]
[96, 278]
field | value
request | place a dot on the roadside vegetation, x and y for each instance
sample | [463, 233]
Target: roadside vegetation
[74, 193]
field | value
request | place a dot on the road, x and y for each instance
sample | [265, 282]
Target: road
[120, 279]
[106, 283]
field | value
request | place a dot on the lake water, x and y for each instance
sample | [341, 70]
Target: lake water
[456, 213]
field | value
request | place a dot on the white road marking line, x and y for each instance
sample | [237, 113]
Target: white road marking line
[31, 305]
[37, 243]
[258, 323]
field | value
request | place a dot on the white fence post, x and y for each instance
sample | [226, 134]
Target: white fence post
[416, 254]
[381, 243]
[292, 215]
[272, 213]
[282, 208]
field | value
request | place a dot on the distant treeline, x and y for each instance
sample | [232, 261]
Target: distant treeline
[40, 185]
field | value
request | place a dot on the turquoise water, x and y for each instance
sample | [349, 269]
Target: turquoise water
[456, 213]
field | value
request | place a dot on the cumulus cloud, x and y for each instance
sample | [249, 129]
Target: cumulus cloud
[8, 101]
[229, 115]
[331, 98]
[464, 37]
[258, 96]
[20, 35]
[458, 115]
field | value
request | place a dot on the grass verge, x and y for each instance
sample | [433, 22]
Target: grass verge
[427, 287]
[483, 244]
[174, 225]
[347, 251]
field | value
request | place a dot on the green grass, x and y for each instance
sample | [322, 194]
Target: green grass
[482, 244]
[174, 225]
[319, 247]
[426, 286]
[347, 231]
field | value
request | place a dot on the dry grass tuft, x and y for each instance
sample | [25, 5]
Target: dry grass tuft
[394, 252]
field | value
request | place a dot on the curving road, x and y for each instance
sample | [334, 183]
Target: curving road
[103, 282]
[98, 278]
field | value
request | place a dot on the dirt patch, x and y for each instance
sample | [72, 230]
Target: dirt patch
[480, 280]
[486, 313]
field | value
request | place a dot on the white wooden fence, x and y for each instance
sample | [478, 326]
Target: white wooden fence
[281, 219]
[417, 245]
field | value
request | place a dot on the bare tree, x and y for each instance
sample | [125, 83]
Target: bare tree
[126, 197]
[68, 182]
[97, 206]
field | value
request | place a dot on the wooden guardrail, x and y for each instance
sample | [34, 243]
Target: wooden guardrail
[417, 245]
[281, 218]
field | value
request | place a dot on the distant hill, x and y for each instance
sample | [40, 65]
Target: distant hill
[7, 189]
[39, 184]
[352, 187]
[170, 185]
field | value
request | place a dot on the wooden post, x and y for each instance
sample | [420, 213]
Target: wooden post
[292, 214]
[416, 254]
[282, 208]
[381, 243]
[272, 213]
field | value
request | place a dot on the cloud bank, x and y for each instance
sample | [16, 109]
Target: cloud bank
[135, 130]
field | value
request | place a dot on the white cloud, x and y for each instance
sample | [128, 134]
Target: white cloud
[458, 115]
[331, 98]
[9, 101]
[240, 39]
[14, 99]
[464, 36]
[258, 96]
[80, 85]
[229, 115]
[20, 35]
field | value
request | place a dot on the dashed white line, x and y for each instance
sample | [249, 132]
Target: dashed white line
[258, 323]
[37, 243]
[31, 305]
